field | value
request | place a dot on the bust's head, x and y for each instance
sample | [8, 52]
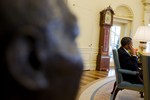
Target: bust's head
[39, 56]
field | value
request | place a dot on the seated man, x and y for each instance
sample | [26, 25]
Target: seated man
[128, 60]
[39, 59]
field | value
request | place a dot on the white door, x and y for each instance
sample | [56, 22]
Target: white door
[85, 22]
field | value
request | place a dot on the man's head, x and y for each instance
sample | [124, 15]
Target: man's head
[126, 42]
[39, 56]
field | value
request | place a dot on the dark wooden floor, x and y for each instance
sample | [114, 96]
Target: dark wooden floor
[90, 76]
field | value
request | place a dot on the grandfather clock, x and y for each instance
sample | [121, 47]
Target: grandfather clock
[106, 21]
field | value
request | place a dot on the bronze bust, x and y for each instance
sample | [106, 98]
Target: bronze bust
[39, 55]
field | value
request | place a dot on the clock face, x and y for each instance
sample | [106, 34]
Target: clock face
[108, 17]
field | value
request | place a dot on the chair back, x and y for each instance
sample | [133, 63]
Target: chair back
[117, 66]
[146, 75]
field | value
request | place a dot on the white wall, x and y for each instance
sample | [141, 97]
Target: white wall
[87, 12]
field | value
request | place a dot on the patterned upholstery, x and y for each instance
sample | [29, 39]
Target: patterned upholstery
[120, 84]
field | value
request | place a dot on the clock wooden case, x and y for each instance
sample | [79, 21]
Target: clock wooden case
[106, 21]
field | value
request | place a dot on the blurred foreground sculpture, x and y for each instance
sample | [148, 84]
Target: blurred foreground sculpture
[39, 59]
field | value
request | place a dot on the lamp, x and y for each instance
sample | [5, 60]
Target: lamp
[143, 36]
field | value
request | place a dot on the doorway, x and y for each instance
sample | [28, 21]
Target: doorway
[114, 38]
[117, 31]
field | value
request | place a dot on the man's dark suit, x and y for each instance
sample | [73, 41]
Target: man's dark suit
[128, 62]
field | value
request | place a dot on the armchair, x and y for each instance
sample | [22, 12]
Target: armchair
[120, 84]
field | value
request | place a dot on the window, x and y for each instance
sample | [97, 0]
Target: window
[114, 38]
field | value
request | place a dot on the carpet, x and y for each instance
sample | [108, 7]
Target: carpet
[101, 89]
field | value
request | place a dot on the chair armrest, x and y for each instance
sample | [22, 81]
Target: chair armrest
[128, 72]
